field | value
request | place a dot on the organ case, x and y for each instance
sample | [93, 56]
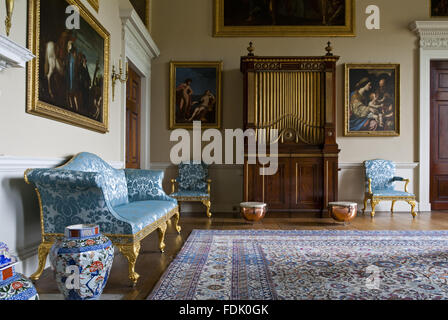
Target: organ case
[296, 96]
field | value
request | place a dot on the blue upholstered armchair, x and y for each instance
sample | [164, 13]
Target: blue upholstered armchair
[380, 179]
[193, 184]
[126, 204]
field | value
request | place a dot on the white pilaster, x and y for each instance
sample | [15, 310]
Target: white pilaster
[139, 49]
[433, 42]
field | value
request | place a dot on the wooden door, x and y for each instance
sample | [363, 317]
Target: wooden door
[439, 135]
[306, 183]
[133, 121]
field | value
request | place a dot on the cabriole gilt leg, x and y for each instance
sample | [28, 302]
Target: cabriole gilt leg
[44, 250]
[176, 222]
[208, 204]
[393, 204]
[131, 251]
[412, 204]
[162, 231]
[374, 204]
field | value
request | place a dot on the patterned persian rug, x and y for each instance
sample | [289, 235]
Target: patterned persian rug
[308, 265]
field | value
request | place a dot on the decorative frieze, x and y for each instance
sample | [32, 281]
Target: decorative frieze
[432, 34]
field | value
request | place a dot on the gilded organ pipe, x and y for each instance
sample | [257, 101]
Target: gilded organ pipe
[290, 102]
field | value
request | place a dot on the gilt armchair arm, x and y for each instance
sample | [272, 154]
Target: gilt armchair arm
[370, 185]
[400, 179]
[209, 184]
[144, 185]
[173, 185]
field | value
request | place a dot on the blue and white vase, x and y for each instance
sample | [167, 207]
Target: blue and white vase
[82, 262]
[13, 285]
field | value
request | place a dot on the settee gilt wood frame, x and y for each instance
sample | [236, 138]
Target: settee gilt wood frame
[129, 245]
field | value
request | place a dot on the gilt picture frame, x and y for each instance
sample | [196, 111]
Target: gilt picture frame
[195, 94]
[68, 81]
[95, 4]
[438, 8]
[372, 100]
[284, 18]
[143, 9]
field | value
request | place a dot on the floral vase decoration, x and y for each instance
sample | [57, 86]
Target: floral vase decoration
[13, 285]
[81, 262]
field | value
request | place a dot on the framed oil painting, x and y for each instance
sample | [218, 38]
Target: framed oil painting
[143, 9]
[372, 100]
[195, 94]
[439, 8]
[268, 18]
[69, 79]
[95, 4]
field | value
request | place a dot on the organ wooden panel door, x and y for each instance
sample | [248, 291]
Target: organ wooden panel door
[277, 188]
[439, 135]
[133, 112]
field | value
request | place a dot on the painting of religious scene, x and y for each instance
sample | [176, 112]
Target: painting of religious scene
[372, 100]
[70, 75]
[195, 94]
[284, 17]
[439, 8]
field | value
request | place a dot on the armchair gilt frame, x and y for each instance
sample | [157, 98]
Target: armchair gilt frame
[376, 196]
[204, 200]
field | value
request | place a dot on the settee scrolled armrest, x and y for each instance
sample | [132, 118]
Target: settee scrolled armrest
[145, 185]
[75, 197]
[76, 180]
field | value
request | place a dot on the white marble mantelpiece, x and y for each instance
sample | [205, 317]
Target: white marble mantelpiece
[13, 55]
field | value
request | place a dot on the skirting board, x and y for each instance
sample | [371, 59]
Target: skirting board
[20, 227]
[228, 181]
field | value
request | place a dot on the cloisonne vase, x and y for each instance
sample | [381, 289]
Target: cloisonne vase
[81, 262]
[13, 285]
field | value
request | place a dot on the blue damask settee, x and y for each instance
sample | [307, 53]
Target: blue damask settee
[127, 204]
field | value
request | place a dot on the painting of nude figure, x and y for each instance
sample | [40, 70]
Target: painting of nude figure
[68, 80]
[372, 100]
[195, 94]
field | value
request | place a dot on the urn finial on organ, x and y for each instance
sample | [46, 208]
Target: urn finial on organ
[329, 48]
[251, 49]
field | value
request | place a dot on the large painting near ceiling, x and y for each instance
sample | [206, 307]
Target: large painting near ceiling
[439, 8]
[372, 100]
[69, 79]
[195, 94]
[284, 18]
[143, 7]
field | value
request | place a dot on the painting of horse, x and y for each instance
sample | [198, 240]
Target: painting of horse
[70, 74]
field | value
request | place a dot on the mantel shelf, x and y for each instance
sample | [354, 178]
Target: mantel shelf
[13, 55]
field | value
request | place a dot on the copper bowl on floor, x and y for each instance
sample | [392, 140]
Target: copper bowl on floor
[343, 211]
[253, 211]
